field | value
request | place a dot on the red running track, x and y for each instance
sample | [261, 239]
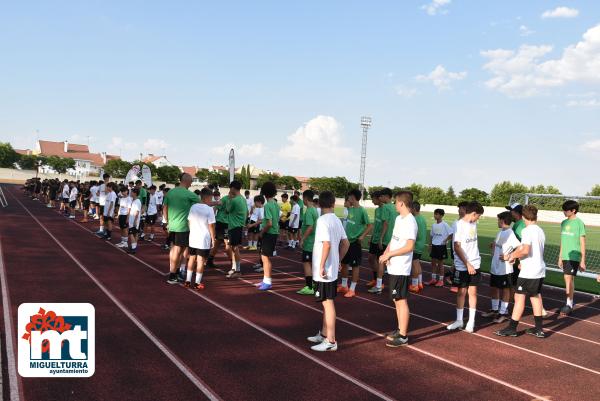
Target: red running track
[162, 342]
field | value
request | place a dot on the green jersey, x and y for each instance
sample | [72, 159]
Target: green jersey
[356, 223]
[389, 215]
[143, 196]
[222, 210]
[310, 220]
[237, 212]
[272, 215]
[421, 234]
[518, 228]
[179, 201]
[571, 231]
[377, 225]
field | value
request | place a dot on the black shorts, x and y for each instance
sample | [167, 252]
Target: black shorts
[123, 221]
[151, 219]
[108, 218]
[398, 287]
[570, 267]
[100, 210]
[354, 255]
[133, 231]
[181, 239]
[325, 290]
[72, 204]
[255, 229]
[515, 273]
[235, 236]
[292, 230]
[529, 286]
[416, 256]
[501, 281]
[221, 230]
[268, 243]
[374, 249]
[307, 256]
[283, 225]
[199, 252]
[65, 200]
[86, 204]
[463, 279]
[439, 252]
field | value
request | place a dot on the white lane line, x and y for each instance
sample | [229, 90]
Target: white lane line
[9, 334]
[207, 391]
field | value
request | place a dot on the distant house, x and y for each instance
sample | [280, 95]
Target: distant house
[191, 170]
[86, 163]
[217, 168]
[24, 152]
[158, 161]
[303, 182]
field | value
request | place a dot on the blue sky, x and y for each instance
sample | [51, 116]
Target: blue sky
[462, 93]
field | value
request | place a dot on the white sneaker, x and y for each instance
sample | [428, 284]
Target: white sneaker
[325, 346]
[230, 273]
[318, 339]
[259, 269]
[274, 253]
[456, 325]
[71, 217]
[469, 328]
[122, 245]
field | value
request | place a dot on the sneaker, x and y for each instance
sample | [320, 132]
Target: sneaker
[131, 251]
[230, 273]
[259, 269]
[165, 247]
[566, 310]
[350, 294]
[210, 263]
[375, 290]
[545, 314]
[414, 289]
[199, 287]
[431, 282]
[252, 248]
[501, 317]
[506, 332]
[421, 287]
[491, 313]
[235, 274]
[469, 328]
[172, 278]
[306, 290]
[393, 335]
[72, 217]
[454, 289]
[325, 346]
[535, 332]
[456, 325]
[264, 286]
[372, 283]
[439, 283]
[341, 289]
[397, 342]
[188, 284]
[317, 339]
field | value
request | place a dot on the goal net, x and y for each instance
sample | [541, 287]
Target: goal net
[550, 215]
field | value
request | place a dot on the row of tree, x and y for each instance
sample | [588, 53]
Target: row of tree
[10, 159]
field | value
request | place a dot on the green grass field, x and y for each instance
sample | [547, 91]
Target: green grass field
[487, 230]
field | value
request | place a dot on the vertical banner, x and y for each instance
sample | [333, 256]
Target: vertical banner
[101, 173]
[147, 175]
[132, 175]
[231, 165]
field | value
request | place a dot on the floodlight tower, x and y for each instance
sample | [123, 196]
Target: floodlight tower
[365, 123]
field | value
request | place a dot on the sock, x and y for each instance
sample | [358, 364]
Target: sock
[503, 307]
[434, 277]
[374, 275]
[267, 280]
[290, 242]
[183, 266]
[237, 266]
[308, 281]
[344, 282]
[472, 313]
[495, 303]
[198, 278]
[513, 324]
[459, 315]
[538, 322]
[420, 279]
[188, 276]
[101, 229]
[133, 245]
[352, 286]
[151, 236]
[570, 302]
[379, 283]
[255, 244]
[414, 282]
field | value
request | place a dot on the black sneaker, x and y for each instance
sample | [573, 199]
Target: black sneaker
[393, 335]
[501, 317]
[491, 313]
[506, 332]
[566, 310]
[535, 332]
[131, 251]
[210, 263]
[172, 278]
[397, 342]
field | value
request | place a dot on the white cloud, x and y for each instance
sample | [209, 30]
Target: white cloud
[584, 103]
[436, 6]
[320, 139]
[246, 150]
[441, 78]
[591, 146]
[117, 143]
[405, 92]
[154, 145]
[561, 12]
[522, 73]
[525, 31]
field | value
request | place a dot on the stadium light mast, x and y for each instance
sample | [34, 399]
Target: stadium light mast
[365, 123]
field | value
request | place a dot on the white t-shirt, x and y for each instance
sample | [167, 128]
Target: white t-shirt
[405, 228]
[329, 228]
[135, 208]
[249, 204]
[159, 197]
[257, 214]
[295, 215]
[440, 233]
[506, 241]
[344, 219]
[466, 234]
[533, 265]
[109, 206]
[73, 194]
[319, 211]
[66, 191]
[94, 192]
[124, 205]
[152, 209]
[201, 215]
[102, 195]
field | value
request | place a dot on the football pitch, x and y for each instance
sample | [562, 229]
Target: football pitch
[487, 230]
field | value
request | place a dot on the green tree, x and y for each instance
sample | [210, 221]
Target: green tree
[340, 186]
[451, 198]
[595, 191]
[265, 177]
[60, 164]
[501, 192]
[541, 189]
[220, 178]
[433, 195]
[474, 194]
[28, 162]
[117, 168]
[288, 182]
[202, 174]
[168, 174]
[8, 156]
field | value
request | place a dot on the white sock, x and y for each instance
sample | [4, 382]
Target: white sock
[133, 245]
[420, 279]
[472, 313]
[183, 266]
[379, 283]
[495, 303]
[267, 280]
[434, 277]
[352, 286]
[570, 302]
[503, 307]
[414, 282]
[188, 276]
[344, 282]
[255, 244]
[459, 314]
[151, 236]
[198, 278]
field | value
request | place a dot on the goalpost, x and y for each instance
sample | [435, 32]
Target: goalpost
[550, 216]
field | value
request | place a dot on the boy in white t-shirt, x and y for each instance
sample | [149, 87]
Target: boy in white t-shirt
[467, 262]
[135, 214]
[462, 206]
[152, 213]
[102, 201]
[531, 277]
[398, 257]
[94, 200]
[331, 244]
[255, 220]
[124, 205]
[440, 234]
[501, 271]
[73, 200]
[109, 209]
[160, 196]
[202, 235]
[294, 223]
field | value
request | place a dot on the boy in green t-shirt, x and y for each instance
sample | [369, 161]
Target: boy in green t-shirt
[572, 250]
[237, 213]
[388, 217]
[307, 240]
[357, 228]
[416, 285]
[268, 233]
